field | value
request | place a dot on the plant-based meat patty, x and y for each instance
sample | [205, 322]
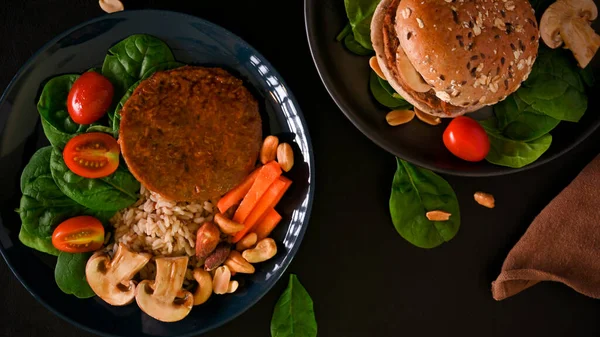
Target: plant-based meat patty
[190, 134]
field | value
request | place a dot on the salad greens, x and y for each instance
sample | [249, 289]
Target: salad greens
[416, 191]
[360, 13]
[519, 121]
[70, 274]
[112, 193]
[116, 115]
[383, 95]
[294, 315]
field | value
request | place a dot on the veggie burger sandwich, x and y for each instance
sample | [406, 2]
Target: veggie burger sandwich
[450, 57]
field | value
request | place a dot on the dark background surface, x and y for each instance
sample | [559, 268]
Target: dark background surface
[365, 280]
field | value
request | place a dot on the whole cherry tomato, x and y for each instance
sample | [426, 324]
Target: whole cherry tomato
[89, 98]
[466, 139]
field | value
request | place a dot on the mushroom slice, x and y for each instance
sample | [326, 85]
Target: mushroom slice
[568, 22]
[409, 74]
[111, 279]
[164, 299]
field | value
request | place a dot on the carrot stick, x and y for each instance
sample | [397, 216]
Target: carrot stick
[264, 228]
[237, 193]
[266, 176]
[268, 200]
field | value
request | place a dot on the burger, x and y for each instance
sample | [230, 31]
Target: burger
[451, 57]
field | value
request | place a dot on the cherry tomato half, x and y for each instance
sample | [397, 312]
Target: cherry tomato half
[89, 98]
[466, 139]
[79, 235]
[92, 155]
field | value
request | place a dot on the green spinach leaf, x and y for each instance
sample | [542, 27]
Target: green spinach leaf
[347, 30]
[356, 47]
[360, 14]
[128, 60]
[112, 193]
[70, 274]
[116, 119]
[519, 121]
[161, 67]
[103, 129]
[416, 191]
[52, 106]
[383, 96]
[513, 153]
[294, 315]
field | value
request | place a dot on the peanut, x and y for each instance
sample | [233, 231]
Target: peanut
[268, 152]
[233, 286]
[236, 263]
[226, 225]
[399, 117]
[438, 215]
[217, 257]
[285, 156]
[374, 64]
[485, 199]
[207, 239]
[221, 280]
[427, 118]
[264, 250]
[111, 6]
[247, 242]
[205, 286]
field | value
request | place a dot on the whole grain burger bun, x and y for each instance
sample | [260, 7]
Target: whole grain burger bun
[471, 53]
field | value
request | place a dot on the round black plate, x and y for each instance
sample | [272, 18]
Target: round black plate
[346, 77]
[193, 41]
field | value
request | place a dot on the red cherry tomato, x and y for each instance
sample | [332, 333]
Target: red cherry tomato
[92, 155]
[79, 235]
[466, 139]
[89, 98]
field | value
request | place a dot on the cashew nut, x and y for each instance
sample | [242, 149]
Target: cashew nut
[247, 242]
[264, 250]
[227, 226]
[236, 263]
[205, 286]
[221, 280]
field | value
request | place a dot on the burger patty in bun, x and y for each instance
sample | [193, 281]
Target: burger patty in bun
[450, 57]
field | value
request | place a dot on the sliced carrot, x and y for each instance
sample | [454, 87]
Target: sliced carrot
[237, 193]
[264, 228]
[267, 174]
[268, 200]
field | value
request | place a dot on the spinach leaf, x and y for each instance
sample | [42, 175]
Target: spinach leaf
[116, 119]
[161, 67]
[70, 274]
[128, 60]
[294, 315]
[103, 129]
[347, 30]
[43, 206]
[112, 193]
[555, 87]
[519, 121]
[356, 47]
[587, 75]
[513, 153]
[416, 191]
[360, 14]
[52, 106]
[383, 96]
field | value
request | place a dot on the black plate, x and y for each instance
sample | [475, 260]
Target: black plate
[346, 77]
[193, 41]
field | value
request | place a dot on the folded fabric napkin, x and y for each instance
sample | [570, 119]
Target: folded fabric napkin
[562, 244]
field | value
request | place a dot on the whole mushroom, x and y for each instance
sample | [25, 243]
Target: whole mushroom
[112, 280]
[164, 298]
[568, 22]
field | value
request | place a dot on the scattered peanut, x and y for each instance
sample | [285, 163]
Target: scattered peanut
[221, 280]
[205, 286]
[268, 152]
[264, 250]
[427, 118]
[246, 242]
[485, 199]
[285, 156]
[111, 6]
[399, 117]
[226, 225]
[236, 263]
[233, 285]
[438, 215]
[375, 66]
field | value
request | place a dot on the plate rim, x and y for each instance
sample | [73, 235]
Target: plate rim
[310, 161]
[380, 141]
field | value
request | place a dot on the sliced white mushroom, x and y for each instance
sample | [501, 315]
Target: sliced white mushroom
[164, 298]
[111, 279]
[568, 22]
[409, 74]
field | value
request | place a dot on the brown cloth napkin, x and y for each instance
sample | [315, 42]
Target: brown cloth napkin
[562, 244]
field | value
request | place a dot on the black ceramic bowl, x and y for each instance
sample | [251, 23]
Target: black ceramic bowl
[346, 77]
[193, 41]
